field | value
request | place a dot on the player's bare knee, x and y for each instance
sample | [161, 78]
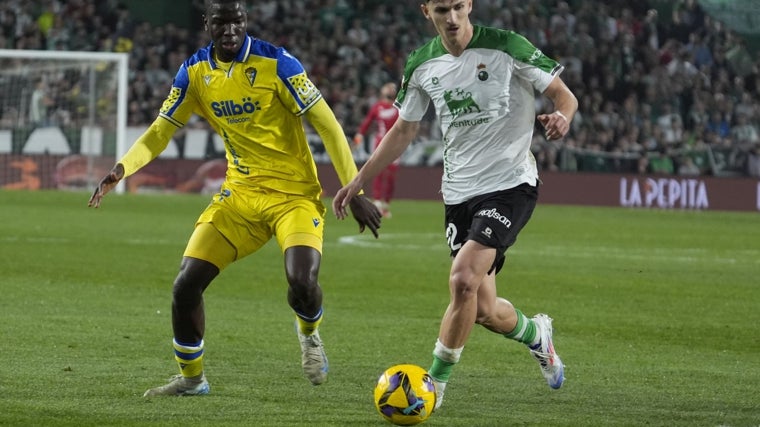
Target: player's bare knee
[193, 278]
[185, 290]
[301, 280]
[464, 284]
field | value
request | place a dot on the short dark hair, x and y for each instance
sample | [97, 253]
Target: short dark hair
[207, 3]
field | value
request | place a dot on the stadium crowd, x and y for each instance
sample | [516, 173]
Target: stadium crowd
[663, 93]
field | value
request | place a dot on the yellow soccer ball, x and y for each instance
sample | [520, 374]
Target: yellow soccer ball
[405, 395]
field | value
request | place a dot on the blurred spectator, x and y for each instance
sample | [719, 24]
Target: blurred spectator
[753, 162]
[699, 51]
[358, 34]
[718, 124]
[744, 132]
[39, 104]
[661, 163]
[156, 76]
[687, 167]
[47, 17]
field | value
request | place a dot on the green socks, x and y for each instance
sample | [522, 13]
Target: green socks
[525, 331]
[444, 359]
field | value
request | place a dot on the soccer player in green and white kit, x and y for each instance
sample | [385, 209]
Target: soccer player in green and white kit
[482, 82]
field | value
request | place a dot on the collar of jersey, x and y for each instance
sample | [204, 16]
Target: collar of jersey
[242, 54]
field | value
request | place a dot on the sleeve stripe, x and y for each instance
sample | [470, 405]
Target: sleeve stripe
[171, 120]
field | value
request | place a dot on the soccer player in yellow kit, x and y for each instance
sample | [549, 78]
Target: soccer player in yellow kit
[254, 95]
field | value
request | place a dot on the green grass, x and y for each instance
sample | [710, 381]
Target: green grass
[657, 317]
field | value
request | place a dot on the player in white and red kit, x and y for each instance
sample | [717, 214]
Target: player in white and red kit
[383, 115]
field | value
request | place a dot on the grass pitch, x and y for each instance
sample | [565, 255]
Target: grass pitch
[656, 317]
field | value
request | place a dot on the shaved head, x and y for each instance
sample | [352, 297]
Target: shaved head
[208, 3]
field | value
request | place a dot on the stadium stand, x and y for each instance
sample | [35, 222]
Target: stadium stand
[663, 86]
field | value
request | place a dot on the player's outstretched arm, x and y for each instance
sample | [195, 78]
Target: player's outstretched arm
[106, 184]
[146, 148]
[390, 148]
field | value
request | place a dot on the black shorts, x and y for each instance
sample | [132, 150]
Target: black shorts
[492, 219]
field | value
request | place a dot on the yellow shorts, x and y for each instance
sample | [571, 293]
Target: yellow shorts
[243, 220]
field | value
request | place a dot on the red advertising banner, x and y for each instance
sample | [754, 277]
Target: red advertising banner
[47, 171]
[599, 189]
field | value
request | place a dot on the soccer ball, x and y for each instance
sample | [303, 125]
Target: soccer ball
[405, 395]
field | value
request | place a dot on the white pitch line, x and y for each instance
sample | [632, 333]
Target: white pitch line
[149, 242]
[16, 239]
[683, 255]
[395, 241]
[49, 240]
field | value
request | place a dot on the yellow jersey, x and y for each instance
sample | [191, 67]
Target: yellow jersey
[255, 103]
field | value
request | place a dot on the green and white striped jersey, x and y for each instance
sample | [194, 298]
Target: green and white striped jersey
[485, 100]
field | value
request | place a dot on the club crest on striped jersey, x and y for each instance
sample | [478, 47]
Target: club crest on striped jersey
[250, 73]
